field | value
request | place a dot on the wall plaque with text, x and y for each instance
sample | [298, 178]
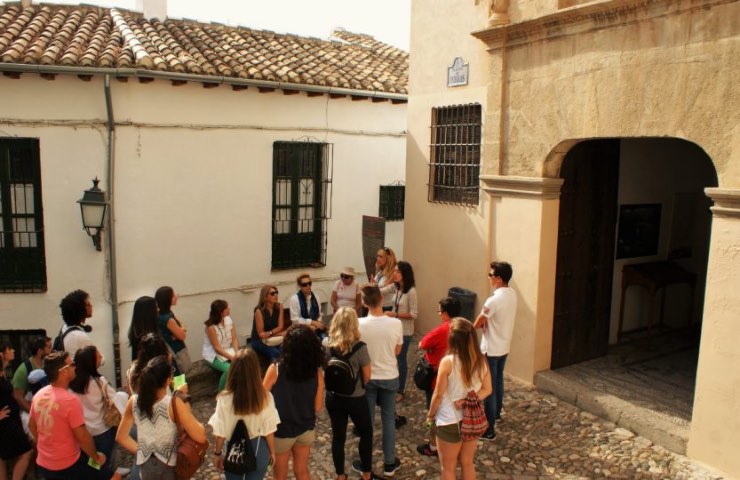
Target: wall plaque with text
[457, 74]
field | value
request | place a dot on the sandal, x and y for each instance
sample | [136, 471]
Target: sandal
[400, 397]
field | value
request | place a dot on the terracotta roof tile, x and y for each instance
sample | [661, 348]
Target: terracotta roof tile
[115, 38]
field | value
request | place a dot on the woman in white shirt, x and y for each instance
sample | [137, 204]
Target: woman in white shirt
[244, 398]
[91, 388]
[220, 344]
[346, 292]
[462, 370]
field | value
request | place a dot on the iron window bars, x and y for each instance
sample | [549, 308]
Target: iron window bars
[454, 166]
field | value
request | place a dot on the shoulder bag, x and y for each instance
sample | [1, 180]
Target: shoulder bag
[190, 454]
[111, 414]
[424, 374]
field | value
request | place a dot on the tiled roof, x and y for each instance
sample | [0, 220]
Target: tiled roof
[86, 36]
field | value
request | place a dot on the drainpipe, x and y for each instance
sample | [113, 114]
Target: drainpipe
[111, 237]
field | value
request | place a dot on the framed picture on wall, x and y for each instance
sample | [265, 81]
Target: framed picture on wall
[639, 230]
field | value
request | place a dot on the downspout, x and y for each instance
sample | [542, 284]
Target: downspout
[111, 237]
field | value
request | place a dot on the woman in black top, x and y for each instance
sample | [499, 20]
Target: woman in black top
[268, 322]
[145, 319]
[344, 342]
[13, 440]
[294, 381]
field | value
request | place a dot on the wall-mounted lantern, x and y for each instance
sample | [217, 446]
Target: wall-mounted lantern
[92, 207]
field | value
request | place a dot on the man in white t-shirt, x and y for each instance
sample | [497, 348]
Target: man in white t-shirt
[76, 308]
[384, 338]
[497, 321]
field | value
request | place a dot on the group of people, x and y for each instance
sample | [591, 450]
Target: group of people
[371, 330]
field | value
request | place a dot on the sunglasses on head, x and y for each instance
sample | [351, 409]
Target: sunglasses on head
[306, 284]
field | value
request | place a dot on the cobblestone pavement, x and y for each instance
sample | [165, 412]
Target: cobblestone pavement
[539, 437]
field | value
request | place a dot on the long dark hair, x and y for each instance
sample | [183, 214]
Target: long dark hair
[164, 299]
[407, 273]
[156, 374]
[86, 368]
[302, 353]
[151, 345]
[143, 320]
[245, 383]
[217, 309]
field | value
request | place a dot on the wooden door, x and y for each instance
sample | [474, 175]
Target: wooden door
[588, 216]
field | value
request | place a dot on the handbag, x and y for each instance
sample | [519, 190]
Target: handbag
[424, 374]
[190, 454]
[474, 422]
[182, 359]
[111, 414]
[239, 456]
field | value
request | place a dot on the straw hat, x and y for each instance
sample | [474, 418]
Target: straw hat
[348, 271]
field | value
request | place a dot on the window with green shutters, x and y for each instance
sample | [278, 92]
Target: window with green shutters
[22, 258]
[392, 200]
[300, 203]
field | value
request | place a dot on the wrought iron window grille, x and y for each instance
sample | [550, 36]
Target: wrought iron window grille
[455, 149]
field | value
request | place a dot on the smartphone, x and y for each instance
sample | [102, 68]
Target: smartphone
[93, 463]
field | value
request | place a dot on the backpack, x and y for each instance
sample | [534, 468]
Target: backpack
[239, 457]
[339, 377]
[38, 380]
[474, 422]
[58, 345]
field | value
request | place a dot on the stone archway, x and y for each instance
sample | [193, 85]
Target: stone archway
[669, 175]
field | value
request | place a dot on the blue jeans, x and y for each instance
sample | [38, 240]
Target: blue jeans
[262, 453]
[273, 353]
[384, 392]
[495, 401]
[403, 364]
[104, 443]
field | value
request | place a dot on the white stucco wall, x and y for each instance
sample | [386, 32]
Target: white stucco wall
[193, 187]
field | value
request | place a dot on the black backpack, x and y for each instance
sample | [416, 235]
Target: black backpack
[339, 377]
[239, 456]
[58, 345]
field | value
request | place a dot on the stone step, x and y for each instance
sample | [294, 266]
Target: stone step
[661, 429]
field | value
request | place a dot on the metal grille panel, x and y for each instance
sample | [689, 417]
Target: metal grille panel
[455, 148]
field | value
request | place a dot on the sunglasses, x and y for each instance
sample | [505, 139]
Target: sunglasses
[67, 365]
[274, 293]
[306, 284]
[491, 275]
[345, 277]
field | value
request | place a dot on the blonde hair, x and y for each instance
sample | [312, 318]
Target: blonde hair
[390, 263]
[463, 344]
[344, 330]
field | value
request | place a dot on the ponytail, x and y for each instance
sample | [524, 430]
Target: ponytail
[155, 375]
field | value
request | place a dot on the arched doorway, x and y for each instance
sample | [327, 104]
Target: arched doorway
[633, 204]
